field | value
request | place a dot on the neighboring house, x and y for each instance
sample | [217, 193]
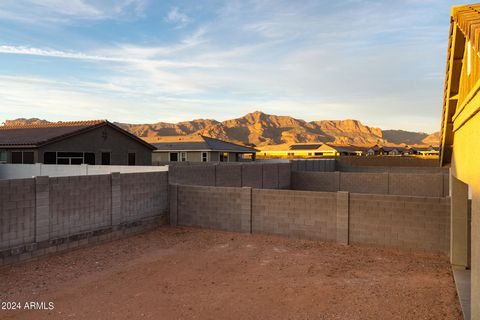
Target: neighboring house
[460, 143]
[81, 142]
[390, 151]
[202, 149]
[312, 150]
[429, 151]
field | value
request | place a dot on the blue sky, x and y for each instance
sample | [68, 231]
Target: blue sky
[144, 61]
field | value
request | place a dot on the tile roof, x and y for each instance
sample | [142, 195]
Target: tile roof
[40, 134]
[204, 143]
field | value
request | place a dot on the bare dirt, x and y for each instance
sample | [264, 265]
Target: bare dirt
[180, 273]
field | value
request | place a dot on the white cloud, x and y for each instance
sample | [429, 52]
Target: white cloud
[180, 19]
[61, 11]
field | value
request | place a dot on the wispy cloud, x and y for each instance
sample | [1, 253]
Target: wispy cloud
[180, 19]
[58, 11]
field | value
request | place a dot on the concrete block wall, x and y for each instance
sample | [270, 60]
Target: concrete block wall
[228, 176]
[79, 204]
[430, 185]
[400, 221]
[221, 208]
[17, 212]
[43, 215]
[143, 195]
[321, 165]
[197, 175]
[419, 184]
[406, 222]
[301, 214]
[256, 175]
[315, 181]
[252, 176]
[373, 183]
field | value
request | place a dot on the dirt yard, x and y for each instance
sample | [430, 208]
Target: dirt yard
[180, 273]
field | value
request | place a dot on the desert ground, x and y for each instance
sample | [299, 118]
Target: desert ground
[183, 273]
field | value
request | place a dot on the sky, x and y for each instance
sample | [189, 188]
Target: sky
[146, 61]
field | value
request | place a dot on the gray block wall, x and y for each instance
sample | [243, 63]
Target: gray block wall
[43, 215]
[252, 176]
[400, 221]
[301, 214]
[79, 204]
[213, 207]
[315, 181]
[413, 184]
[228, 175]
[17, 212]
[256, 175]
[406, 222]
[143, 195]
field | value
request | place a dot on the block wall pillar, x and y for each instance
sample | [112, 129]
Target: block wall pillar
[173, 204]
[42, 208]
[117, 216]
[343, 213]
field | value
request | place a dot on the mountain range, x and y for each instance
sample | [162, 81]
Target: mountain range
[264, 130]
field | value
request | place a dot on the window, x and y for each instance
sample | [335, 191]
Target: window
[3, 156]
[50, 158]
[69, 158]
[26, 157]
[183, 156]
[105, 158]
[173, 156]
[204, 156]
[89, 158]
[223, 156]
[17, 157]
[131, 158]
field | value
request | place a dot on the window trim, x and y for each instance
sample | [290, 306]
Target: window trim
[183, 153]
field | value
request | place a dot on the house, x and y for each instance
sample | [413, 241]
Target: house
[312, 150]
[460, 144]
[429, 151]
[201, 149]
[390, 151]
[80, 142]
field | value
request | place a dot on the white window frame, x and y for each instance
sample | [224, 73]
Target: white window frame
[183, 156]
